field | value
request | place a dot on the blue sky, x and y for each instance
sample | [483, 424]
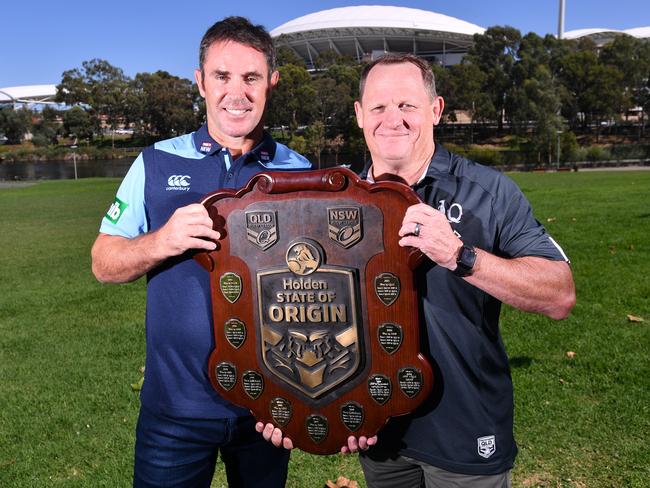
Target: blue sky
[40, 39]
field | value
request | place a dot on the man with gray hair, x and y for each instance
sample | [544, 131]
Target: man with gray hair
[484, 248]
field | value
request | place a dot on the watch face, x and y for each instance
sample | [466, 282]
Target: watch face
[467, 256]
[465, 262]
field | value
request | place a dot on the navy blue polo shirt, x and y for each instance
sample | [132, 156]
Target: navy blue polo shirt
[168, 175]
[467, 424]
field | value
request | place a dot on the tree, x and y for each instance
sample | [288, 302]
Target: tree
[541, 106]
[15, 124]
[494, 52]
[335, 146]
[631, 57]
[291, 100]
[465, 92]
[332, 102]
[316, 140]
[77, 123]
[101, 86]
[163, 103]
[286, 55]
[328, 58]
[45, 129]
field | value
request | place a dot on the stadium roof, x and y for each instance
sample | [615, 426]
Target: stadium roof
[363, 30]
[377, 16]
[28, 94]
[603, 36]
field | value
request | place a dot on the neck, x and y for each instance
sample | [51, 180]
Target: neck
[409, 171]
[239, 145]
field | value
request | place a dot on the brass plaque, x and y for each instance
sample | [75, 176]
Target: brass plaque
[387, 288]
[352, 415]
[262, 229]
[389, 337]
[344, 225]
[309, 325]
[253, 384]
[235, 332]
[410, 381]
[231, 287]
[281, 411]
[226, 374]
[317, 428]
[379, 388]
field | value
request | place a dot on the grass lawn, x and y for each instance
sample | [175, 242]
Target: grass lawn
[70, 347]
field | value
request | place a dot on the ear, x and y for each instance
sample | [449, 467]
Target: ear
[273, 81]
[438, 106]
[358, 110]
[199, 81]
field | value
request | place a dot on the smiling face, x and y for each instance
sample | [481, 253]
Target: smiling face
[235, 83]
[397, 116]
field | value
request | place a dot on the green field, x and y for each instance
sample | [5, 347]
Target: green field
[70, 348]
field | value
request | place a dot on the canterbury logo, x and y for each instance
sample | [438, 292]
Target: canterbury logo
[179, 182]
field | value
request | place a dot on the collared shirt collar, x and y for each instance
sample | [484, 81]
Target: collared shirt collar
[263, 152]
[439, 164]
[204, 142]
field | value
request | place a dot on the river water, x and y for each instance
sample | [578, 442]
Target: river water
[63, 170]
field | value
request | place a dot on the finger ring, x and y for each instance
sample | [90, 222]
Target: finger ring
[416, 231]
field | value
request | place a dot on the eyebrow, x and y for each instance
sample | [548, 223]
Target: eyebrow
[218, 72]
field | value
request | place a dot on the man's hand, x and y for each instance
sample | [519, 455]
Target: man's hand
[273, 435]
[117, 259]
[358, 444]
[189, 227]
[428, 230]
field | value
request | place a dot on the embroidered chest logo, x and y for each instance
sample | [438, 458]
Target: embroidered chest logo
[486, 446]
[178, 183]
[453, 212]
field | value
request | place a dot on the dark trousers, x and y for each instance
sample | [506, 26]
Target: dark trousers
[182, 453]
[404, 472]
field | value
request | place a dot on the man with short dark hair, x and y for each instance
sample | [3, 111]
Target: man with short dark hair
[154, 226]
[484, 248]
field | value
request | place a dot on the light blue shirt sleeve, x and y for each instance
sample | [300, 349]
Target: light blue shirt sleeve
[127, 216]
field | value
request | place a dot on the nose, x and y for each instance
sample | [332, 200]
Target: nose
[236, 89]
[393, 117]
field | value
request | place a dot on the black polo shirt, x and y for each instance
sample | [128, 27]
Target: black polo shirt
[467, 425]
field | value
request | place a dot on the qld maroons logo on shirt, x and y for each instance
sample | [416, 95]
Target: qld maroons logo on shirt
[486, 446]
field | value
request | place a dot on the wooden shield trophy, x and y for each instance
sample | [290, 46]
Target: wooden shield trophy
[314, 305]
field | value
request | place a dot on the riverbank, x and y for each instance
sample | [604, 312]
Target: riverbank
[11, 154]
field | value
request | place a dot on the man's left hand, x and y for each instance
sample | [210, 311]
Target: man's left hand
[428, 230]
[358, 444]
[273, 435]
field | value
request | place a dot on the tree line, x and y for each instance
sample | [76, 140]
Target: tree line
[537, 90]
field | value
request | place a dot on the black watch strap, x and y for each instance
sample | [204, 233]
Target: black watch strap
[465, 261]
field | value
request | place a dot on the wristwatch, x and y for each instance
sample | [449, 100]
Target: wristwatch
[465, 261]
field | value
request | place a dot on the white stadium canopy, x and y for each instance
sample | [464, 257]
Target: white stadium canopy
[366, 31]
[28, 94]
[603, 36]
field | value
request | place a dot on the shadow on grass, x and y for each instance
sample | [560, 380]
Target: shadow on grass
[520, 362]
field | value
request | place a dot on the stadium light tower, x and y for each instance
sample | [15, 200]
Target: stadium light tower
[560, 22]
